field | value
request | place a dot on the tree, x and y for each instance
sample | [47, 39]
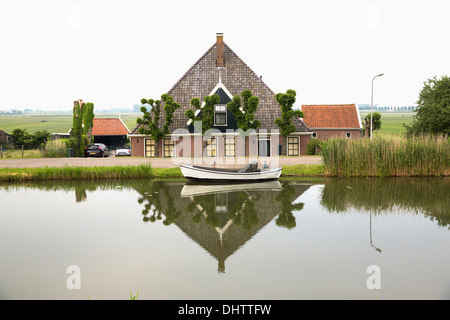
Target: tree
[433, 110]
[21, 137]
[83, 121]
[376, 121]
[39, 138]
[244, 112]
[88, 120]
[286, 102]
[151, 119]
[207, 111]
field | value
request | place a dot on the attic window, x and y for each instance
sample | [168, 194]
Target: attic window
[220, 115]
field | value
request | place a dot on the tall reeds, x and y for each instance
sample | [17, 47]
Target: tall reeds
[55, 149]
[384, 157]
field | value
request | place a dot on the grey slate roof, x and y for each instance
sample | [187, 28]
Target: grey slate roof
[203, 76]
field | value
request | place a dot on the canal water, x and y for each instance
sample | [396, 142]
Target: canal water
[167, 239]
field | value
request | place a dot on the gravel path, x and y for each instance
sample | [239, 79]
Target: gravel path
[155, 162]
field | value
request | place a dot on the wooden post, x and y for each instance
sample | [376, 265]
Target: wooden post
[22, 150]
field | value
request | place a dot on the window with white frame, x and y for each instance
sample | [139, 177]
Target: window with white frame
[211, 147]
[293, 146]
[314, 134]
[150, 150]
[220, 115]
[169, 147]
[349, 134]
[230, 147]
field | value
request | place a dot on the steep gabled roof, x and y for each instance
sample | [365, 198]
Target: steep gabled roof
[236, 76]
[345, 116]
[109, 127]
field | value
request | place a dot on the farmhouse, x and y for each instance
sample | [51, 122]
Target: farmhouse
[333, 121]
[221, 71]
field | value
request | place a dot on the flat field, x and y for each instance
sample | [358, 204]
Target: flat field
[391, 122]
[53, 123]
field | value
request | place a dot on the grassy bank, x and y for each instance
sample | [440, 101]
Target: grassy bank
[385, 157]
[304, 170]
[75, 173]
[126, 172]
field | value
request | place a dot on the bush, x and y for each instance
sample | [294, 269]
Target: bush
[314, 146]
[55, 149]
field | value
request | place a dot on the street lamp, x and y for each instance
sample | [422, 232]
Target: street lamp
[371, 105]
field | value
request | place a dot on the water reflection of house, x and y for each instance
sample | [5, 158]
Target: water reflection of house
[223, 236]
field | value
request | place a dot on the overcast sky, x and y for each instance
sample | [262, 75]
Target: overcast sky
[113, 53]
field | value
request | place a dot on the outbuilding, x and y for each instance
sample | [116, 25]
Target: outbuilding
[333, 121]
[112, 132]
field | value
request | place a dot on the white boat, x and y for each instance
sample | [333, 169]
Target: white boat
[248, 173]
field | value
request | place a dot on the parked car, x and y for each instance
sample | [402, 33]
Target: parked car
[123, 152]
[96, 150]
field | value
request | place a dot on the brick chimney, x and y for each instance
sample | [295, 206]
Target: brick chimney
[219, 62]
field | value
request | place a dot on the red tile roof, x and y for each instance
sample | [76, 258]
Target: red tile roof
[109, 127]
[331, 116]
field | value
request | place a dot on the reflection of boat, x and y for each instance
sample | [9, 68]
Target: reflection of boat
[196, 189]
[248, 173]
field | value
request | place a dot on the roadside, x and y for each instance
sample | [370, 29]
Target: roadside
[155, 162]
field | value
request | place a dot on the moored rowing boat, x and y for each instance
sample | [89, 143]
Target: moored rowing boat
[248, 173]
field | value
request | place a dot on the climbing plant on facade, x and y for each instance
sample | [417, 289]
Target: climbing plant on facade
[154, 122]
[243, 108]
[206, 116]
[286, 102]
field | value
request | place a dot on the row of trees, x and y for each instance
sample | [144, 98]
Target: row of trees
[241, 106]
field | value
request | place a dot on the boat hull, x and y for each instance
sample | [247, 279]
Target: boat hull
[196, 173]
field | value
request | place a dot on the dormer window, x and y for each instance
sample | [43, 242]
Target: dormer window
[220, 115]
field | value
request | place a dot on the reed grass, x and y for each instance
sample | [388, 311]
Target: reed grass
[55, 149]
[384, 157]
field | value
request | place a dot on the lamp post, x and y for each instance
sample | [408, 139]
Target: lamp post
[371, 105]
